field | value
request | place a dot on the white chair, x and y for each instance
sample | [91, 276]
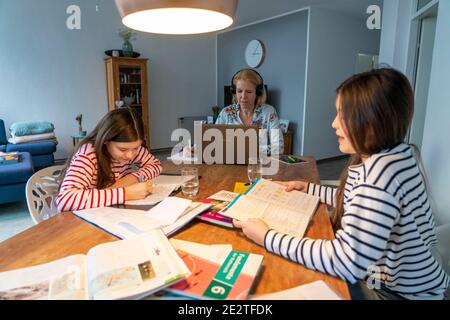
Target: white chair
[41, 189]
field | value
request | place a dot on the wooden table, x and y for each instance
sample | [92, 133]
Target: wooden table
[65, 234]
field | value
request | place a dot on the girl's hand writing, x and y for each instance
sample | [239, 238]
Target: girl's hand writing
[138, 191]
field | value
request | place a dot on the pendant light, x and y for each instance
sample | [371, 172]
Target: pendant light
[177, 16]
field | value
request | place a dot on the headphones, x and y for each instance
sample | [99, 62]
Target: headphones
[259, 88]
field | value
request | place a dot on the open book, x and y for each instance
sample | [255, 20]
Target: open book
[286, 212]
[217, 271]
[169, 215]
[124, 269]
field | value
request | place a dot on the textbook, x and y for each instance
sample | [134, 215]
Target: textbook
[9, 157]
[286, 212]
[170, 215]
[217, 272]
[218, 201]
[124, 269]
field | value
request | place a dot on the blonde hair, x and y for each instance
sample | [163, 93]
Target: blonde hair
[251, 76]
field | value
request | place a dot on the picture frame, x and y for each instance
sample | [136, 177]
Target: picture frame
[284, 125]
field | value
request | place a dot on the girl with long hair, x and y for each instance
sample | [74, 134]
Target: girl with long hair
[109, 166]
[382, 219]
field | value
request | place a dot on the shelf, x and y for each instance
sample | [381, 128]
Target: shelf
[132, 83]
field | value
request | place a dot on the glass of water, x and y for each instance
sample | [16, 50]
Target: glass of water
[254, 169]
[191, 186]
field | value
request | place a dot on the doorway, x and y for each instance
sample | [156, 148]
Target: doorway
[423, 56]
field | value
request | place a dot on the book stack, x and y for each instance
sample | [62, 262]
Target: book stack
[218, 202]
[217, 271]
[9, 157]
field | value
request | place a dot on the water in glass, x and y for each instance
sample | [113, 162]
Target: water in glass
[190, 188]
[254, 170]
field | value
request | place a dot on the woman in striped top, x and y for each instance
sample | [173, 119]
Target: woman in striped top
[111, 165]
[383, 219]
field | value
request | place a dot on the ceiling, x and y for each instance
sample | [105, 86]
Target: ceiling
[249, 11]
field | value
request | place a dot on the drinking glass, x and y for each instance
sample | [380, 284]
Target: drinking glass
[191, 186]
[254, 169]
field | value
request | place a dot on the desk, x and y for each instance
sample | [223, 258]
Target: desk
[65, 234]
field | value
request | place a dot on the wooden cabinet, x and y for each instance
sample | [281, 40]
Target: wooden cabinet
[126, 80]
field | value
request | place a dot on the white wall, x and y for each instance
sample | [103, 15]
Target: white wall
[436, 143]
[334, 41]
[51, 73]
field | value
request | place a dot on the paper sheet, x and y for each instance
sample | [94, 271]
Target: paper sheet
[317, 290]
[169, 210]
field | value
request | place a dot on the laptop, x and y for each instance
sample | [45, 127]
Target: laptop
[229, 144]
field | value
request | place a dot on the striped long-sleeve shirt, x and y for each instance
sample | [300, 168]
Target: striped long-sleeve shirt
[79, 188]
[387, 230]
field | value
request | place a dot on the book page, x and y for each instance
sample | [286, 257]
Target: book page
[123, 223]
[317, 290]
[194, 209]
[133, 268]
[275, 193]
[216, 253]
[63, 279]
[169, 210]
[279, 218]
[166, 179]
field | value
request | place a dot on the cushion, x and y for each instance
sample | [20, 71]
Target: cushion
[17, 172]
[35, 148]
[26, 128]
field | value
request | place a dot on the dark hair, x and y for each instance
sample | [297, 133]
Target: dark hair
[119, 125]
[376, 109]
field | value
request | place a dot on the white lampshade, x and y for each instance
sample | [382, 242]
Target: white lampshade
[177, 16]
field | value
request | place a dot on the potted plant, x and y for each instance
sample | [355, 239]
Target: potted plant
[127, 36]
[79, 119]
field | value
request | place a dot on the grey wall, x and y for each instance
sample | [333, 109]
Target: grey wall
[334, 41]
[285, 39]
[52, 73]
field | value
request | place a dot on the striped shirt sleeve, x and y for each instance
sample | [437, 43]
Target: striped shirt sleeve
[78, 187]
[327, 194]
[359, 244]
[148, 165]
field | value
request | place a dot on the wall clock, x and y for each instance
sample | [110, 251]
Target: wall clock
[255, 53]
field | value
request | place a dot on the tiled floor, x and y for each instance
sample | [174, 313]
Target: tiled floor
[14, 218]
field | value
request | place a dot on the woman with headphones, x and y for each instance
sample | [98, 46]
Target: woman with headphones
[249, 108]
